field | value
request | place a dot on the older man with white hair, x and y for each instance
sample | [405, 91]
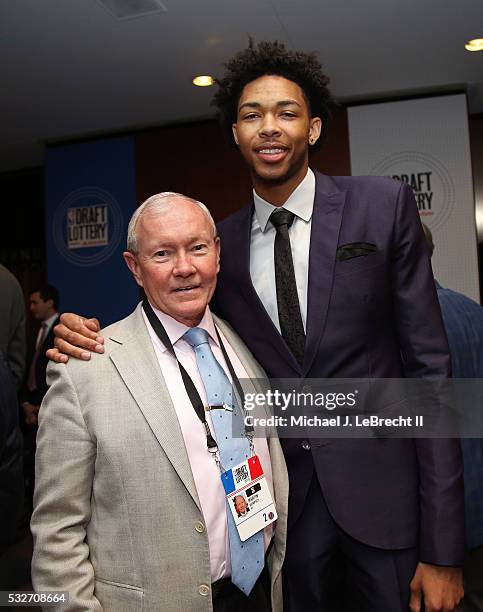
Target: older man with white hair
[130, 511]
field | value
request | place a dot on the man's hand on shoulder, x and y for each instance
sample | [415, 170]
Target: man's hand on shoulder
[441, 588]
[75, 336]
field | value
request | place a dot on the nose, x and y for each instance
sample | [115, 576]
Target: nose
[269, 126]
[183, 266]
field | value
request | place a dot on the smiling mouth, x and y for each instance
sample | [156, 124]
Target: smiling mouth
[187, 288]
[271, 154]
[271, 151]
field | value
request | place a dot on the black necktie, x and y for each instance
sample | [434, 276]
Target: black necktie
[289, 315]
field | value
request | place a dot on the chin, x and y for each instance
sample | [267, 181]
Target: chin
[194, 315]
[275, 178]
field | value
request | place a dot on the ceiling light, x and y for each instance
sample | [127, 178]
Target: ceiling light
[126, 9]
[476, 44]
[204, 80]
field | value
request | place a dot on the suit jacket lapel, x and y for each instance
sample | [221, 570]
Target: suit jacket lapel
[326, 220]
[275, 343]
[137, 364]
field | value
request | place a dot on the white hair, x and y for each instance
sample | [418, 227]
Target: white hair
[158, 203]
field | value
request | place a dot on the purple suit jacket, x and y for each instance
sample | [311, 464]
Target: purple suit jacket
[375, 316]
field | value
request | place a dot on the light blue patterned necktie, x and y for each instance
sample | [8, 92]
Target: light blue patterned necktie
[247, 558]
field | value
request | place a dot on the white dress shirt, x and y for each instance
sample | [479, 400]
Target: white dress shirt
[205, 471]
[262, 239]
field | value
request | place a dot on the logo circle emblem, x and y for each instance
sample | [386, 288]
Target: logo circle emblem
[442, 190]
[87, 197]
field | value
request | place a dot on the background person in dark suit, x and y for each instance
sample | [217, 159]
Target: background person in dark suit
[12, 324]
[463, 321]
[12, 364]
[43, 304]
[11, 475]
[338, 285]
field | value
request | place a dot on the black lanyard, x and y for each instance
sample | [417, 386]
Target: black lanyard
[189, 384]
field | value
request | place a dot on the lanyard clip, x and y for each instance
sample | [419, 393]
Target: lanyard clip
[210, 441]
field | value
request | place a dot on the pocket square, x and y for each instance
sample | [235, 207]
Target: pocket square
[355, 249]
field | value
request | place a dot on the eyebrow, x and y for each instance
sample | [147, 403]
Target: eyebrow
[167, 244]
[282, 103]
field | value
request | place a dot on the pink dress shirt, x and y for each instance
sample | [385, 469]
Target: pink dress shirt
[205, 472]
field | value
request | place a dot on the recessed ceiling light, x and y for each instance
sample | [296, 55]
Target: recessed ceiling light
[476, 44]
[204, 80]
[126, 9]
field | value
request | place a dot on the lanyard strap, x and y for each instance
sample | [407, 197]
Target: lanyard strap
[249, 430]
[191, 390]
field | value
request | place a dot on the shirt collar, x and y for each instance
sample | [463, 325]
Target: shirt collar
[50, 321]
[176, 330]
[300, 202]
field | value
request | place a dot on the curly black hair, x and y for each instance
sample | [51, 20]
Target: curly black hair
[272, 58]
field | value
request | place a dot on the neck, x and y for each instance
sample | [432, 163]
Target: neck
[189, 322]
[275, 192]
[50, 314]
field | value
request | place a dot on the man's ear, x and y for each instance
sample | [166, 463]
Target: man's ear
[132, 264]
[235, 135]
[218, 249]
[315, 129]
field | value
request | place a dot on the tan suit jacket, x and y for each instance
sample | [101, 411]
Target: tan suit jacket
[117, 519]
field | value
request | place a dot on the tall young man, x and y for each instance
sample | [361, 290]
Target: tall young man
[309, 301]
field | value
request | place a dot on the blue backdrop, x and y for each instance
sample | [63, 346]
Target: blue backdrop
[91, 195]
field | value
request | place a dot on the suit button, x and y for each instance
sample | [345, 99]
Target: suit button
[199, 527]
[306, 445]
[204, 590]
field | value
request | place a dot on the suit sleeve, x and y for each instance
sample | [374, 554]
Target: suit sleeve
[11, 473]
[425, 354]
[64, 474]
